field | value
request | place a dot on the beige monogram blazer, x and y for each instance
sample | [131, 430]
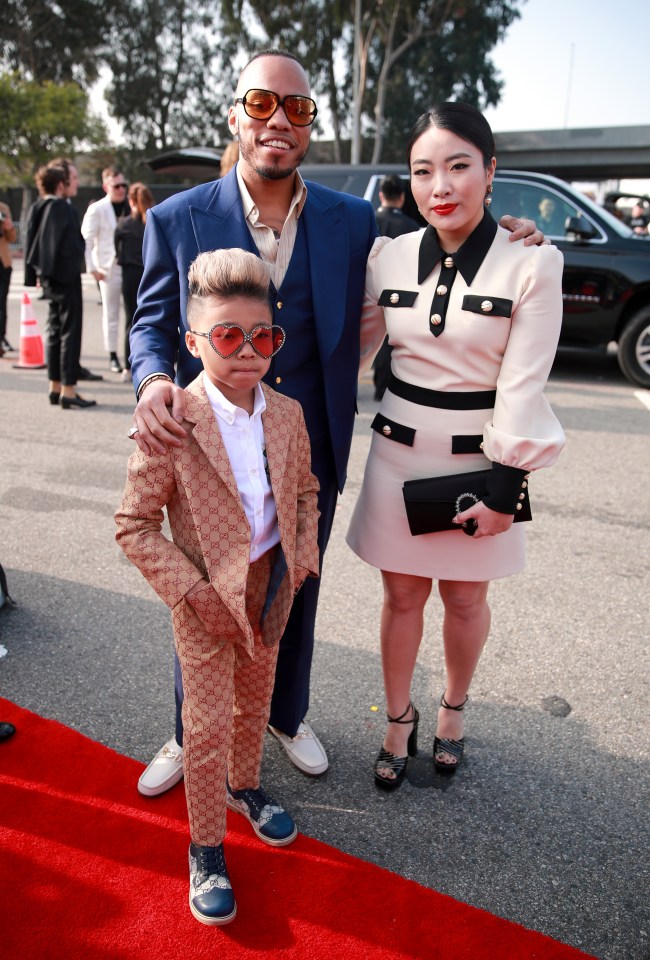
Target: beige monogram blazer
[211, 535]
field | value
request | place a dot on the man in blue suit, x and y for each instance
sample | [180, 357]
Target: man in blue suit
[317, 242]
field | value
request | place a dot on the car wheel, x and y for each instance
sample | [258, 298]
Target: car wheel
[634, 348]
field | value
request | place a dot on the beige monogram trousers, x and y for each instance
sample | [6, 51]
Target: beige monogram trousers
[226, 709]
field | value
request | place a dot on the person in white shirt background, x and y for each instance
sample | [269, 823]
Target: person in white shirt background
[98, 229]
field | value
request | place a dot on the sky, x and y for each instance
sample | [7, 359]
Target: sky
[574, 63]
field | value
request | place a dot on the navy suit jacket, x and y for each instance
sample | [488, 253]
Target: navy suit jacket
[340, 232]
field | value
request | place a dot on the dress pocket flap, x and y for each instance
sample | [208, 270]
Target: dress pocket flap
[397, 298]
[467, 443]
[489, 306]
[393, 431]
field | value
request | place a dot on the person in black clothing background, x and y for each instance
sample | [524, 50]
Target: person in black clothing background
[639, 219]
[55, 253]
[129, 234]
[391, 222]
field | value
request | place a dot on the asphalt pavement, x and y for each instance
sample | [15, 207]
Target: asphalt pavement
[546, 823]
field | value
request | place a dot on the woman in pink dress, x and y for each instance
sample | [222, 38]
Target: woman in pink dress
[474, 322]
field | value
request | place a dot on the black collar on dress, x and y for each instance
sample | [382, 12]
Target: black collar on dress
[469, 256]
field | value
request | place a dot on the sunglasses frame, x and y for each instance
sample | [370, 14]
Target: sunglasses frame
[248, 338]
[279, 103]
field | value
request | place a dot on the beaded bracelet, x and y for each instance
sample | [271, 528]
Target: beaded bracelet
[154, 376]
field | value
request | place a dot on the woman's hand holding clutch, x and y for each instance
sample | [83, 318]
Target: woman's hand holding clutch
[481, 521]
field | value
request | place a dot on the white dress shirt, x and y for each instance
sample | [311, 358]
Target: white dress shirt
[243, 437]
[273, 249]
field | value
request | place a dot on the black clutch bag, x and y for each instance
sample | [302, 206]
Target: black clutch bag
[432, 504]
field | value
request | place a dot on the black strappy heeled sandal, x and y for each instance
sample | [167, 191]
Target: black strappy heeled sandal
[454, 748]
[390, 761]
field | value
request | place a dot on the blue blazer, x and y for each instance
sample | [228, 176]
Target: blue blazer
[340, 232]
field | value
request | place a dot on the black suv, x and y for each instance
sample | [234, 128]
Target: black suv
[606, 282]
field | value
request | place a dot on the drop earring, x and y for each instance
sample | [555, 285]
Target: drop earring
[488, 195]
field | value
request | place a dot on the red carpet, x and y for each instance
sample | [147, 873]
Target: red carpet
[89, 869]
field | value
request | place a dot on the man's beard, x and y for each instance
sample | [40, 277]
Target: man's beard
[271, 171]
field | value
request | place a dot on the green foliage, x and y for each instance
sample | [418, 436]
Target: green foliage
[41, 120]
[58, 41]
[164, 57]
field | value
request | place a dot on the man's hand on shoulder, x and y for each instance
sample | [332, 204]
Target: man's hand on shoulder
[158, 417]
[521, 229]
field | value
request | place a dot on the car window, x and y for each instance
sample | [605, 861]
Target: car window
[536, 202]
[617, 225]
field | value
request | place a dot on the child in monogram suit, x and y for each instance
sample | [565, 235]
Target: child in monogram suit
[242, 506]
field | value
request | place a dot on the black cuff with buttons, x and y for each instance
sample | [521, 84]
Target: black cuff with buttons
[505, 486]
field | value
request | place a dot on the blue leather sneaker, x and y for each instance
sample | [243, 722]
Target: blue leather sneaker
[211, 898]
[270, 822]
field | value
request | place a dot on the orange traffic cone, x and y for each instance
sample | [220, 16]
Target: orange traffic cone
[32, 355]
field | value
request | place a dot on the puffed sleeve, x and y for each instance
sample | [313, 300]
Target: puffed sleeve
[524, 433]
[373, 322]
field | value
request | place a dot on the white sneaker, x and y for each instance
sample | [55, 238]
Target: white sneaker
[126, 376]
[304, 750]
[164, 771]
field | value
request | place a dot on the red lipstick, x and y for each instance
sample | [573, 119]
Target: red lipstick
[444, 209]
